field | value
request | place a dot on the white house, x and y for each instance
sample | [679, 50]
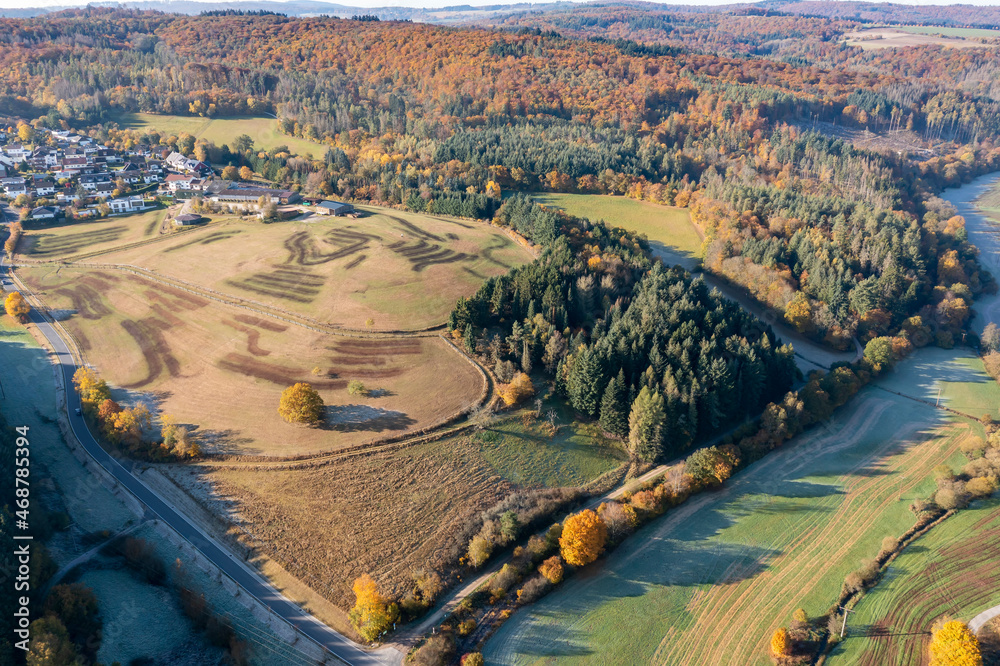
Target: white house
[126, 204]
[44, 212]
[44, 188]
[175, 182]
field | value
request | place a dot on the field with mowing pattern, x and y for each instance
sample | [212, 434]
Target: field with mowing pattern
[668, 229]
[222, 369]
[62, 239]
[952, 570]
[223, 130]
[739, 561]
[403, 270]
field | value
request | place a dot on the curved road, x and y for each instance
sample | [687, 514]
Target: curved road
[244, 576]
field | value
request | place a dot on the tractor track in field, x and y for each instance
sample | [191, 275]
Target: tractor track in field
[255, 307]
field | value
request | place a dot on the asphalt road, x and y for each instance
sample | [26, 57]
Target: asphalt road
[248, 579]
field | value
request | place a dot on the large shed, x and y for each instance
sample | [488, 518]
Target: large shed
[334, 208]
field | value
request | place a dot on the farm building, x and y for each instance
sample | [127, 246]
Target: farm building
[334, 208]
[252, 195]
[187, 219]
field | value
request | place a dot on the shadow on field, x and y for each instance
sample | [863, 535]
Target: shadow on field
[222, 441]
[355, 418]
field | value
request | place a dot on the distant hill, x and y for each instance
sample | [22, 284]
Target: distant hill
[308, 8]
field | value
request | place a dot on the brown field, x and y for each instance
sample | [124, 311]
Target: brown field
[61, 239]
[402, 270]
[221, 369]
[387, 513]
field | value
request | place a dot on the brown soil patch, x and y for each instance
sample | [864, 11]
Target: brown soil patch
[266, 324]
[148, 335]
[276, 374]
[253, 337]
[207, 239]
[293, 285]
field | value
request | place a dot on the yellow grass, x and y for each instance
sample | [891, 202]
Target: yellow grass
[211, 366]
[403, 270]
[62, 239]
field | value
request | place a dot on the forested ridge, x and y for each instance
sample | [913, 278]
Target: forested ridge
[845, 242]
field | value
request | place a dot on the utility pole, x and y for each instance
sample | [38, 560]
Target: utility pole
[843, 627]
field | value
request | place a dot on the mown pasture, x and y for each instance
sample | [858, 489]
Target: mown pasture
[952, 570]
[403, 271]
[222, 368]
[62, 239]
[712, 580]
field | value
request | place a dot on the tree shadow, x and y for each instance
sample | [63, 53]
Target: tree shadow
[227, 441]
[365, 418]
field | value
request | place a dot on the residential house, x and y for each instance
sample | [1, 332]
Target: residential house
[176, 181]
[126, 204]
[90, 181]
[44, 187]
[44, 212]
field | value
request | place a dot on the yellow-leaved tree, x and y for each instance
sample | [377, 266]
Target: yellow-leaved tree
[372, 613]
[799, 313]
[954, 644]
[92, 389]
[583, 537]
[16, 306]
[779, 643]
[519, 389]
[301, 403]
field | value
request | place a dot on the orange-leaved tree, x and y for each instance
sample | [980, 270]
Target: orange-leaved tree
[519, 389]
[779, 643]
[16, 306]
[953, 644]
[583, 537]
[372, 613]
[92, 389]
[301, 403]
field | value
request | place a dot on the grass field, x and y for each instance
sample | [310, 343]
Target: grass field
[224, 130]
[899, 36]
[953, 570]
[955, 377]
[524, 452]
[403, 270]
[950, 32]
[736, 563]
[62, 239]
[223, 370]
[385, 514]
[668, 229]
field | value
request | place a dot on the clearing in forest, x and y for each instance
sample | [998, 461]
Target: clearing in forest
[223, 368]
[223, 130]
[900, 36]
[402, 270]
[780, 535]
[668, 229]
